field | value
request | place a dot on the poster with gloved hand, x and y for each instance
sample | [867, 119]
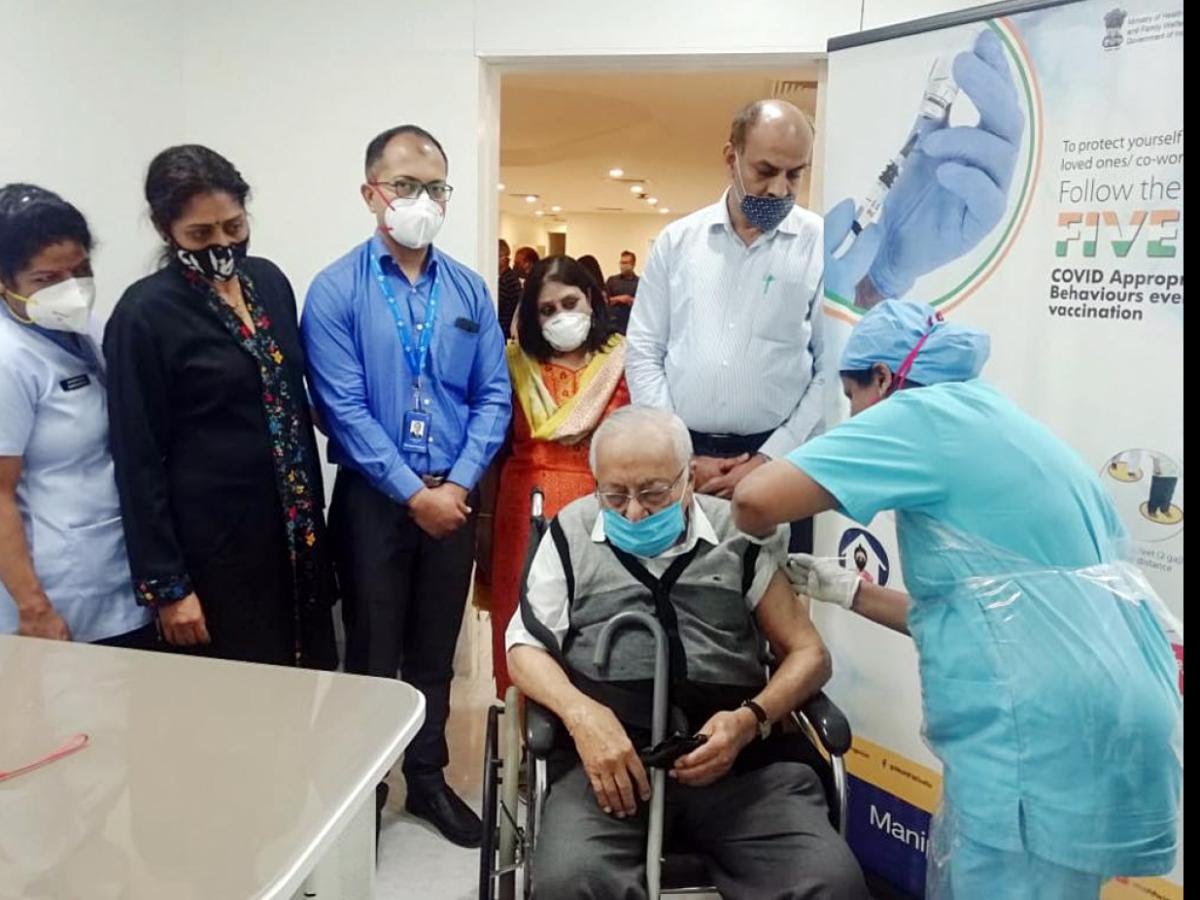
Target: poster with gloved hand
[1022, 173]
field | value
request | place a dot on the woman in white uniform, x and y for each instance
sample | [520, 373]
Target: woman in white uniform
[63, 570]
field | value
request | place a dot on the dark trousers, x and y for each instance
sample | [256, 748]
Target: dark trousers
[403, 596]
[144, 638]
[723, 446]
[764, 834]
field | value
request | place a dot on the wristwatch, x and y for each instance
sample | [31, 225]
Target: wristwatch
[764, 724]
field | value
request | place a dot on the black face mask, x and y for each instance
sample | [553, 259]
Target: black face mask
[214, 262]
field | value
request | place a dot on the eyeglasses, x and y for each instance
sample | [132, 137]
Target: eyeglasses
[410, 189]
[653, 496]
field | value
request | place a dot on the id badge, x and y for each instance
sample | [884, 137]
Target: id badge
[416, 432]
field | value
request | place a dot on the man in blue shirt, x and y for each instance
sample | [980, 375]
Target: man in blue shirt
[406, 363]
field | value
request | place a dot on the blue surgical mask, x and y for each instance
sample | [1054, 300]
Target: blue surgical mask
[648, 537]
[764, 213]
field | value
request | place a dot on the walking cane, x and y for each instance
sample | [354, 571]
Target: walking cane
[658, 732]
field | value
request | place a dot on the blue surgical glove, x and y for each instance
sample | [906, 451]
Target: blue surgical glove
[842, 273]
[954, 187]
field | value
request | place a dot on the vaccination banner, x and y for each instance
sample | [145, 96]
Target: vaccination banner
[1059, 230]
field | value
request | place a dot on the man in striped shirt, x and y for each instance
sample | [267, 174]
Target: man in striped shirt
[726, 331]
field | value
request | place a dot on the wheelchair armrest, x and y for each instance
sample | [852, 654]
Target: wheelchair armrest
[542, 729]
[828, 722]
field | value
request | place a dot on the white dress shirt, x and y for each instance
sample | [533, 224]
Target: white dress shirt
[729, 337]
[547, 582]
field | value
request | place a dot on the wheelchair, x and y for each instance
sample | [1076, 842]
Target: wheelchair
[512, 813]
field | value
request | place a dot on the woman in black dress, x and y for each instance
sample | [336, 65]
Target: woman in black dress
[216, 462]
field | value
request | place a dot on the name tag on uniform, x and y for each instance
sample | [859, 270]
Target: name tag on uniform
[416, 432]
[75, 383]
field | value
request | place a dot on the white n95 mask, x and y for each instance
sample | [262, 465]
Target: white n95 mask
[415, 222]
[65, 306]
[566, 331]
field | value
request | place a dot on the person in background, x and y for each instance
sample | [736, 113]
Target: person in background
[567, 374]
[621, 290]
[508, 291]
[64, 574]
[727, 331]
[591, 265]
[216, 461]
[524, 261]
[406, 360]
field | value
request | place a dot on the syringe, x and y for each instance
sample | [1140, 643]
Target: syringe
[940, 91]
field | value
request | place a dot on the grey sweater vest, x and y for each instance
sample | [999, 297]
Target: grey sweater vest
[715, 638]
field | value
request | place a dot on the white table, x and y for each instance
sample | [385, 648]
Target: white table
[203, 779]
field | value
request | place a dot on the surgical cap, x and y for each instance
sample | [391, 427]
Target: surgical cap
[889, 332]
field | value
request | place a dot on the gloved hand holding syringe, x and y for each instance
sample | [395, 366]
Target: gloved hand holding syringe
[942, 193]
[940, 91]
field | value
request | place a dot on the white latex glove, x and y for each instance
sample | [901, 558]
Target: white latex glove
[822, 578]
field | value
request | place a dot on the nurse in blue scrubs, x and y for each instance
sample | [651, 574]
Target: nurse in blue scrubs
[63, 569]
[1048, 685]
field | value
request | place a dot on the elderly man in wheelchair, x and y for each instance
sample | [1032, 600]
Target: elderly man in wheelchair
[739, 791]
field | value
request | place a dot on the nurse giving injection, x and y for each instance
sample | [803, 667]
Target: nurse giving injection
[1048, 685]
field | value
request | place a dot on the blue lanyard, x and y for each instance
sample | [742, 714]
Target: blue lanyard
[415, 355]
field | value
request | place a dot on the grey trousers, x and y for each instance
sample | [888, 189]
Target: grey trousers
[765, 834]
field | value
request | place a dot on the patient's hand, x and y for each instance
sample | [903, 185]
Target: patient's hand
[609, 759]
[708, 469]
[728, 732]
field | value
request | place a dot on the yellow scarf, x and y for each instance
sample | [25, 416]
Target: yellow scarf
[576, 419]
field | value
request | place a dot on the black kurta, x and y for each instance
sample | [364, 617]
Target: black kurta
[194, 466]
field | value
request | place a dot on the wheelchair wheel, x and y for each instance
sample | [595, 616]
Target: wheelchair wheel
[502, 849]
[534, 778]
[510, 741]
[491, 774]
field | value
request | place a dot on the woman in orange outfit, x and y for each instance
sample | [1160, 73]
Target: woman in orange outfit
[568, 373]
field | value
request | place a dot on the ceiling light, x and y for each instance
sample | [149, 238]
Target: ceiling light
[531, 198]
[636, 188]
[653, 201]
[615, 173]
[501, 186]
[556, 209]
[664, 210]
[538, 212]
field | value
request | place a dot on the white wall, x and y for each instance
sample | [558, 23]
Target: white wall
[606, 236]
[524, 28]
[878, 13]
[524, 231]
[86, 99]
[292, 92]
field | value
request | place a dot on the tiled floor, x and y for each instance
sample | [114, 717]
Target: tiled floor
[414, 860]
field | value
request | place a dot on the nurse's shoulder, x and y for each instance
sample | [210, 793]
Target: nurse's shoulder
[20, 358]
[960, 400]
